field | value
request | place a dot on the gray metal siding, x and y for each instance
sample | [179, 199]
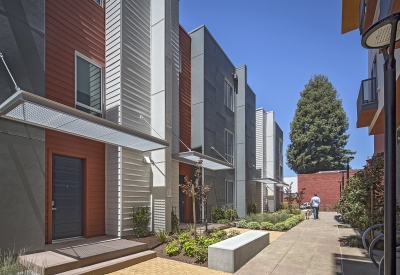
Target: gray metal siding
[22, 148]
[135, 65]
[210, 116]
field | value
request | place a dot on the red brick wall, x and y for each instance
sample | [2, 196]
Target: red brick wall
[326, 185]
[379, 143]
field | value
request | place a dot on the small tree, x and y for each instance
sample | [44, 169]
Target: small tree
[288, 193]
[196, 191]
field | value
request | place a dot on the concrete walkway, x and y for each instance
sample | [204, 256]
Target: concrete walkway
[312, 247]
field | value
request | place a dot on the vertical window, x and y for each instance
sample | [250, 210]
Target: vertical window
[229, 192]
[89, 86]
[180, 60]
[229, 95]
[280, 152]
[100, 2]
[229, 146]
[398, 136]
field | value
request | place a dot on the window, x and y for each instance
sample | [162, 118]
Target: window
[374, 82]
[229, 192]
[229, 146]
[280, 152]
[100, 2]
[89, 86]
[229, 96]
[398, 136]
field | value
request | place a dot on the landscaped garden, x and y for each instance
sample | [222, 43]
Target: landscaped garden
[191, 246]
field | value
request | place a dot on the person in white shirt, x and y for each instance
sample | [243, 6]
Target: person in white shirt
[315, 202]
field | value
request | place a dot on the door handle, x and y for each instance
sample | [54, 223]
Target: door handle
[54, 208]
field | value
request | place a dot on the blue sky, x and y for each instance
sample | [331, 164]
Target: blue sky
[283, 44]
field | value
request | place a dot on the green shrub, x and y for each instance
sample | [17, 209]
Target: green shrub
[253, 225]
[162, 236]
[225, 221]
[10, 265]
[220, 234]
[295, 211]
[300, 217]
[233, 233]
[280, 226]
[189, 247]
[190, 228]
[267, 217]
[219, 213]
[174, 222]
[355, 241]
[183, 238]
[172, 249]
[251, 209]
[267, 226]
[241, 224]
[200, 254]
[211, 241]
[140, 220]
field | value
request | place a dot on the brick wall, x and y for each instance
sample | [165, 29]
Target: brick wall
[326, 185]
[379, 143]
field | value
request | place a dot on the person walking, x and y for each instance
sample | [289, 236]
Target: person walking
[315, 202]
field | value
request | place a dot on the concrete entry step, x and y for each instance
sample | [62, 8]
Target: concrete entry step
[113, 265]
[64, 257]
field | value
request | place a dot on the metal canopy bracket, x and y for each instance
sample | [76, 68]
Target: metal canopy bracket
[39, 111]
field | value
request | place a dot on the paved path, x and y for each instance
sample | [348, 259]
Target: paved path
[312, 247]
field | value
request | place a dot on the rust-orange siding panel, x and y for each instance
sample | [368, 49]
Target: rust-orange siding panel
[71, 26]
[94, 184]
[185, 110]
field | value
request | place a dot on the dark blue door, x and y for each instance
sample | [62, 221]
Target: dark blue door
[67, 197]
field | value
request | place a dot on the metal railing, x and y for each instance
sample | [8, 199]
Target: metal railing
[378, 263]
[367, 93]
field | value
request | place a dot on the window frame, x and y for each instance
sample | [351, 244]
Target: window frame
[398, 136]
[226, 146]
[101, 112]
[101, 4]
[226, 192]
[226, 84]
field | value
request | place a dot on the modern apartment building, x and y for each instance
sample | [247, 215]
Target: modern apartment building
[360, 15]
[269, 160]
[223, 122]
[88, 129]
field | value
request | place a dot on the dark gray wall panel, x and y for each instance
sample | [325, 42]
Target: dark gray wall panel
[22, 149]
[22, 191]
[23, 44]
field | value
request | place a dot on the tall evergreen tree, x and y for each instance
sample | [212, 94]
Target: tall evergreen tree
[317, 132]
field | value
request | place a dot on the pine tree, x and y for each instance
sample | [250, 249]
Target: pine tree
[317, 132]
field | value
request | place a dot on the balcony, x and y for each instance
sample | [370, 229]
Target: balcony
[367, 102]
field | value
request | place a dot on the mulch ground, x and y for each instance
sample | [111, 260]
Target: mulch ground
[155, 245]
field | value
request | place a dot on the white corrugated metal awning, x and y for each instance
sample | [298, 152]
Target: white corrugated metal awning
[39, 111]
[210, 163]
[271, 181]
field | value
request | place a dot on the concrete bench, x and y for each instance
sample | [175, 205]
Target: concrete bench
[231, 254]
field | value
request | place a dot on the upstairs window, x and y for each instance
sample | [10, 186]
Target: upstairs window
[89, 86]
[229, 146]
[229, 95]
[100, 2]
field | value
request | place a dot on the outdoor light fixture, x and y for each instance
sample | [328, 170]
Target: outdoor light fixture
[383, 35]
